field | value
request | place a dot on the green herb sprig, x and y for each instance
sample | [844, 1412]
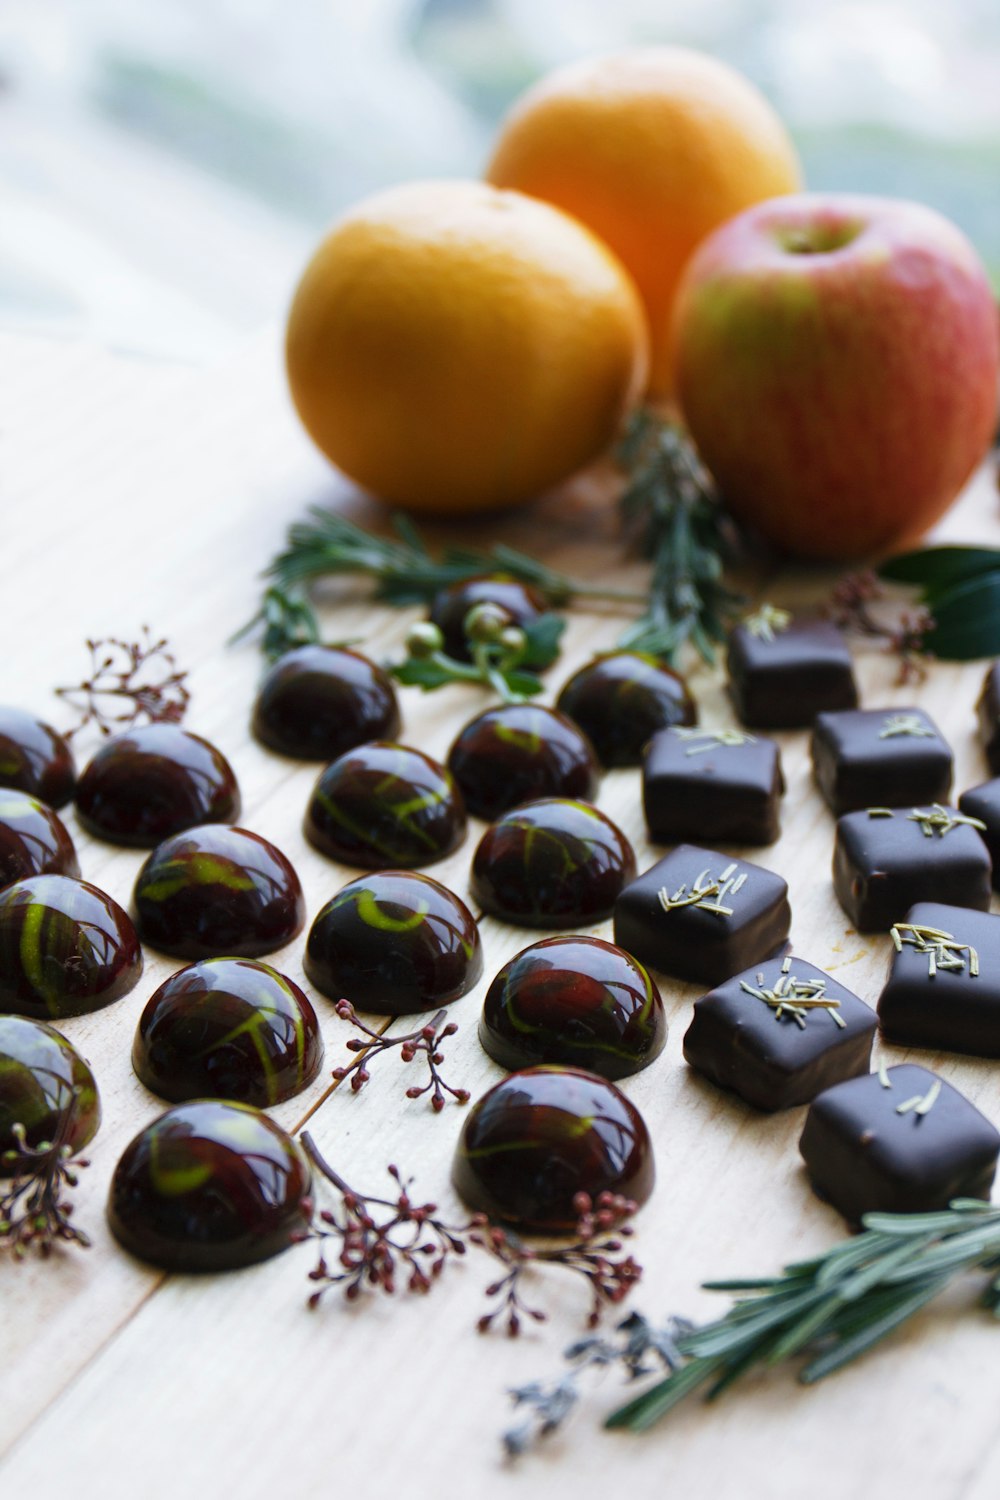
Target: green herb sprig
[674, 517]
[832, 1308]
[505, 657]
[671, 515]
[405, 571]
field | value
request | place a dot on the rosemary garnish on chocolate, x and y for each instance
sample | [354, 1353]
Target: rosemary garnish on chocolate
[943, 950]
[833, 1307]
[34, 1214]
[938, 820]
[794, 997]
[130, 683]
[767, 621]
[707, 891]
[425, 1042]
[905, 724]
[920, 1104]
[713, 738]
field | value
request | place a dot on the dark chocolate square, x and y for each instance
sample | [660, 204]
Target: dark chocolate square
[720, 785]
[864, 1154]
[768, 1035]
[885, 861]
[983, 803]
[782, 673]
[943, 989]
[880, 757]
[670, 917]
[988, 714]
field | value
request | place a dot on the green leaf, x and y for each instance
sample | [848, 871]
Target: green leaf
[936, 569]
[542, 635]
[967, 620]
[524, 683]
[422, 674]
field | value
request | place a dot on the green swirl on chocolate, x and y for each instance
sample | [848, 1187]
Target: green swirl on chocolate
[66, 948]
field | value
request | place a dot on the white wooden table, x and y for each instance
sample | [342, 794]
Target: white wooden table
[134, 494]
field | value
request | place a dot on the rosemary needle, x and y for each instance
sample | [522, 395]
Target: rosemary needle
[832, 1308]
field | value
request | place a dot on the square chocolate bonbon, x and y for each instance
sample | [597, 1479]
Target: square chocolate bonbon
[943, 989]
[699, 915]
[880, 756]
[783, 671]
[721, 785]
[779, 1034]
[885, 860]
[897, 1141]
[988, 714]
[983, 803]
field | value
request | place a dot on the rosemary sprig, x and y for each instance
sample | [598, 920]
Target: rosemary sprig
[288, 620]
[405, 571]
[832, 1308]
[674, 516]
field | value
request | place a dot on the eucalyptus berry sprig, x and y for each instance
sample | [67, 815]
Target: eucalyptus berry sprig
[372, 1243]
[595, 1252]
[856, 598]
[380, 1244]
[505, 657]
[130, 683]
[34, 1212]
[424, 1042]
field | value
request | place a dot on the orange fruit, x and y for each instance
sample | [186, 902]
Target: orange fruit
[455, 348]
[651, 148]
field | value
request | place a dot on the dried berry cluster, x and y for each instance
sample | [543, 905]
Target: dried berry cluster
[383, 1243]
[425, 1042]
[851, 607]
[34, 1212]
[130, 682]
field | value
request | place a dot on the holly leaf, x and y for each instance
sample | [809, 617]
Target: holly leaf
[938, 569]
[966, 620]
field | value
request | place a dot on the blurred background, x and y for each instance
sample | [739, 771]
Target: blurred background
[166, 166]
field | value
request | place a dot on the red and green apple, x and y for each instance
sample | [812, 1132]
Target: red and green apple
[837, 365]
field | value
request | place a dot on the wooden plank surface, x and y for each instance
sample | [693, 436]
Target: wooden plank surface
[134, 494]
